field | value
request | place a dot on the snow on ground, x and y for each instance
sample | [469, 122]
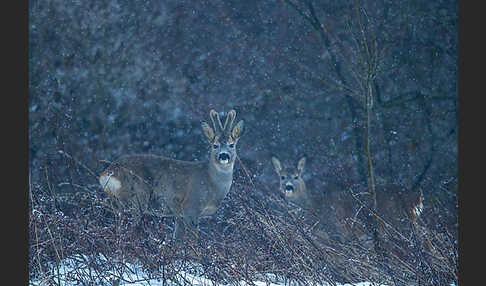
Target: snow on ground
[74, 268]
[135, 276]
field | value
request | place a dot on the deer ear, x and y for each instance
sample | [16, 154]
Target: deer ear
[208, 131]
[276, 165]
[301, 165]
[237, 130]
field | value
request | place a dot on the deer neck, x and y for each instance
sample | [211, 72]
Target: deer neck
[220, 177]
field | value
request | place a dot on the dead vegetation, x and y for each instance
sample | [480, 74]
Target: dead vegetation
[254, 236]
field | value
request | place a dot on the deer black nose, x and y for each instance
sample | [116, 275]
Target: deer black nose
[224, 157]
[289, 188]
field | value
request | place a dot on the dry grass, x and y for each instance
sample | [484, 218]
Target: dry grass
[250, 237]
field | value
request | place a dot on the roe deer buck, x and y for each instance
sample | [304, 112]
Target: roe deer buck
[338, 211]
[186, 190]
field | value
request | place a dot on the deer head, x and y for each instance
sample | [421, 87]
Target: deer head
[222, 139]
[292, 185]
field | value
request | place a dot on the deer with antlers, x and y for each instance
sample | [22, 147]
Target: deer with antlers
[186, 190]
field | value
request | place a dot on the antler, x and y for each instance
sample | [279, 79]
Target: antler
[218, 127]
[229, 121]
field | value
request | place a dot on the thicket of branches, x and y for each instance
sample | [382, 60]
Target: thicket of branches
[252, 237]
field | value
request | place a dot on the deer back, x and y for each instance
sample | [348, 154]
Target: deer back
[397, 204]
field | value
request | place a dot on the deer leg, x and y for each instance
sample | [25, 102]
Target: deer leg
[186, 224]
[178, 228]
[191, 226]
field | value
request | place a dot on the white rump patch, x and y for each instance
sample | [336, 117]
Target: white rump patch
[109, 183]
[419, 208]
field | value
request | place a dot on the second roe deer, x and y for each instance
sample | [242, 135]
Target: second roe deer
[186, 190]
[338, 211]
[292, 186]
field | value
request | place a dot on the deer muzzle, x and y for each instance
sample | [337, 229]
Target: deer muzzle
[289, 188]
[224, 158]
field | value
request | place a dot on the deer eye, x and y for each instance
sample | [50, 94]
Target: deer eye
[296, 177]
[232, 145]
[282, 177]
[215, 146]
